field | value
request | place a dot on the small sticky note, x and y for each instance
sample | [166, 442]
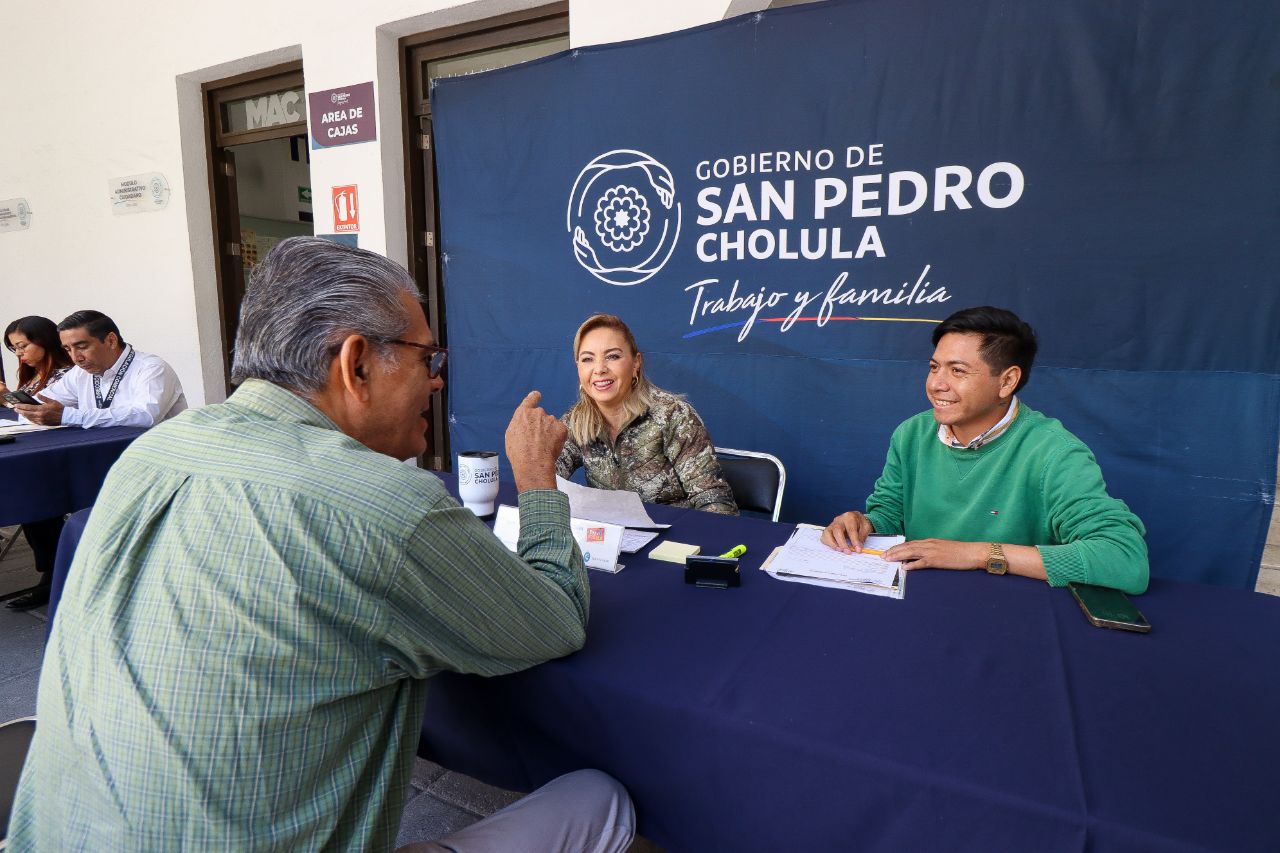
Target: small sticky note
[674, 552]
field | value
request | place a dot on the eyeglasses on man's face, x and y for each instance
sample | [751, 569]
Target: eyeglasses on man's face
[439, 355]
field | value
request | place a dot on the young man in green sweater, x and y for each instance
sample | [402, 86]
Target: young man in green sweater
[984, 482]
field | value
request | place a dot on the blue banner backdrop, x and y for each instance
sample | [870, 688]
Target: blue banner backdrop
[782, 205]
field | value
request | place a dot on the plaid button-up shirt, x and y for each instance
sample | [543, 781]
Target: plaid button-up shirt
[240, 657]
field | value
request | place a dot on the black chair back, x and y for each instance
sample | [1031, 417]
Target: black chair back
[756, 481]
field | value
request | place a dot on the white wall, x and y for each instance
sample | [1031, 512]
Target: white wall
[97, 91]
[602, 21]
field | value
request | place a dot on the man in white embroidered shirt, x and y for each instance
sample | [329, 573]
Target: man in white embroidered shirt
[113, 383]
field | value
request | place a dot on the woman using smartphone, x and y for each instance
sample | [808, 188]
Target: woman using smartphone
[41, 358]
[41, 362]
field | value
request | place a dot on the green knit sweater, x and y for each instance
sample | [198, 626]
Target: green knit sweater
[1037, 484]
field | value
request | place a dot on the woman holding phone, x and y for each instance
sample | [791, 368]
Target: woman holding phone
[41, 362]
[629, 434]
[41, 358]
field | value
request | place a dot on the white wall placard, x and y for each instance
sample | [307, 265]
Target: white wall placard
[138, 193]
[15, 215]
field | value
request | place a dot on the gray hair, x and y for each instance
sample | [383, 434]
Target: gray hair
[306, 297]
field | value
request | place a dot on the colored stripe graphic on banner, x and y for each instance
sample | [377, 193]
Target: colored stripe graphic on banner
[742, 323]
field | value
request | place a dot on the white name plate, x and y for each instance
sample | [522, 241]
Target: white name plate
[600, 542]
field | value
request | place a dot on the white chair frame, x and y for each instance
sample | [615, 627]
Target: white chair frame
[4, 842]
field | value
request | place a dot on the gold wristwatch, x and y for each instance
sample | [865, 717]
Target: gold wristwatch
[996, 563]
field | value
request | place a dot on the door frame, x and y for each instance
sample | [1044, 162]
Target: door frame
[416, 52]
[224, 207]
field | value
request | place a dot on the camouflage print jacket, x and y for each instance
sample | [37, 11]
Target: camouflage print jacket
[665, 456]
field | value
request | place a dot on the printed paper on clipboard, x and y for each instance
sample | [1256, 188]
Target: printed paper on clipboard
[804, 559]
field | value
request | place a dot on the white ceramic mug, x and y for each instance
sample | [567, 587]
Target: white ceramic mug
[478, 480]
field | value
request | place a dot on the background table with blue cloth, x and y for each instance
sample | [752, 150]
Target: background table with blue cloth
[72, 530]
[980, 713]
[53, 472]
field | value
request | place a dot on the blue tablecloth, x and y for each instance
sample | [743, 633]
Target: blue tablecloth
[72, 530]
[52, 472]
[981, 713]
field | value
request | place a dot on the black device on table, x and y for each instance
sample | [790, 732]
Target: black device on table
[21, 397]
[713, 572]
[8, 439]
[1109, 608]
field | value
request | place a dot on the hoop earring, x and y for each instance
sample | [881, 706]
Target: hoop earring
[635, 380]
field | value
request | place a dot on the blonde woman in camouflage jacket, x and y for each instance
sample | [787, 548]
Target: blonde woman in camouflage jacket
[629, 434]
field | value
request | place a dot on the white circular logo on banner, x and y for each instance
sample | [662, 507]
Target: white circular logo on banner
[623, 217]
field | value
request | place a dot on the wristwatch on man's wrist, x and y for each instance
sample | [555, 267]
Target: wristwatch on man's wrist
[996, 563]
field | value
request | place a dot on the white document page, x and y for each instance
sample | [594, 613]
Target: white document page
[506, 526]
[898, 590]
[607, 505]
[17, 427]
[634, 540]
[804, 555]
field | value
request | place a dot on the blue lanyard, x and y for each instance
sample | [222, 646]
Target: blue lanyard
[115, 383]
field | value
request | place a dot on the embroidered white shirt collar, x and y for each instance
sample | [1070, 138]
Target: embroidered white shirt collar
[110, 373]
[947, 437]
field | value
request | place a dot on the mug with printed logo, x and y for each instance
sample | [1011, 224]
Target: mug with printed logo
[478, 480]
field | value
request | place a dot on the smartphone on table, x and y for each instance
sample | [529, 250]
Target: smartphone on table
[1109, 608]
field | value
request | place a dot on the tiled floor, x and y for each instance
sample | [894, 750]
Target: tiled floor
[440, 801]
[21, 634]
[17, 571]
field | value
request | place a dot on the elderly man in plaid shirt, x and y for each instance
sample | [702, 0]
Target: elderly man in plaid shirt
[241, 656]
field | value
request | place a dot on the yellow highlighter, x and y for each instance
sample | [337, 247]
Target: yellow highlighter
[735, 551]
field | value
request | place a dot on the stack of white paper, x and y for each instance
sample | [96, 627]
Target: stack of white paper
[804, 559]
[16, 427]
